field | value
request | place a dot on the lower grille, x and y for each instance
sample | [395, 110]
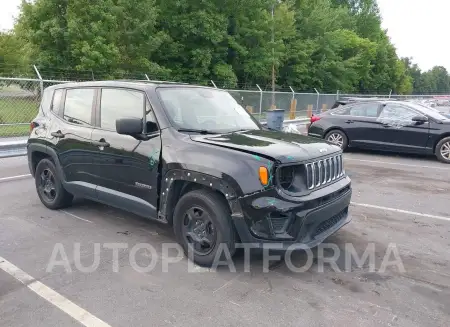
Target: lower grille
[327, 224]
[324, 171]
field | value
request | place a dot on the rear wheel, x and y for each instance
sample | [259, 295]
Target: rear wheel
[442, 151]
[338, 138]
[202, 225]
[49, 187]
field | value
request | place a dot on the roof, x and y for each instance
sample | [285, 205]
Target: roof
[121, 83]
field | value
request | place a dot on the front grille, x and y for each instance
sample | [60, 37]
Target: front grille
[327, 224]
[324, 171]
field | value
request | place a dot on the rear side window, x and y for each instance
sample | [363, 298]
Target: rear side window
[78, 106]
[56, 102]
[46, 99]
[369, 110]
[120, 103]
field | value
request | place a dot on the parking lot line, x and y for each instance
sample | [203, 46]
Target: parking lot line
[10, 178]
[395, 163]
[75, 216]
[79, 314]
[400, 211]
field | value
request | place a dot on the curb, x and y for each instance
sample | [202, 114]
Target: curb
[13, 148]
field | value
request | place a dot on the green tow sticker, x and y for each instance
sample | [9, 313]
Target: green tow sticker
[153, 158]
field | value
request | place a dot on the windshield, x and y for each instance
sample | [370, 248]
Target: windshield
[205, 109]
[432, 112]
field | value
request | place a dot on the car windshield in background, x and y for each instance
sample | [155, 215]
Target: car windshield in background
[432, 112]
[197, 108]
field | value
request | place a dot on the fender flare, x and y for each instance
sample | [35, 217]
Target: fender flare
[230, 193]
[49, 151]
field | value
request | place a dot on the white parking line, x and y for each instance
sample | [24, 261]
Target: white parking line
[79, 314]
[397, 164]
[400, 211]
[75, 216]
[11, 178]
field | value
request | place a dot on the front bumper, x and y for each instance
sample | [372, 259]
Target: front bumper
[272, 221]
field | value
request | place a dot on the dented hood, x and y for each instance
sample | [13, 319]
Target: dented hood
[280, 146]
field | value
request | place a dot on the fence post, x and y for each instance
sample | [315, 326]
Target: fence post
[293, 108]
[213, 84]
[260, 101]
[41, 83]
[337, 95]
[317, 104]
[390, 93]
[146, 76]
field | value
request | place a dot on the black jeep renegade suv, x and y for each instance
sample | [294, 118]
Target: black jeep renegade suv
[189, 156]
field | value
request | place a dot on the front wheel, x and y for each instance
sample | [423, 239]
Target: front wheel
[203, 227]
[337, 137]
[443, 150]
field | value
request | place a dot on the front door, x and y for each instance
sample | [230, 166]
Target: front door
[400, 132]
[126, 168]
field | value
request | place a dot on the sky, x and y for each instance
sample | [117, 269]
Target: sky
[417, 28]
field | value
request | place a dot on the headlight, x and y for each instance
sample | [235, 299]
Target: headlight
[292, 178]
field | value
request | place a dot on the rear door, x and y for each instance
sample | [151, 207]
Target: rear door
[126, 169]
[71, 137]
[400, 133]
[359, 121]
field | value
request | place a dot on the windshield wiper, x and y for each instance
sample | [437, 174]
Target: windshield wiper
[193, 130]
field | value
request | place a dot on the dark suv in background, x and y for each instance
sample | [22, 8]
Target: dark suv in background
[191, 157]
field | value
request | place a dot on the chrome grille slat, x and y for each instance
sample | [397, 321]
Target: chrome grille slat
[319, 169]
[324, 171]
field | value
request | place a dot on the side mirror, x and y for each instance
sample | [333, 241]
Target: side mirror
[129, 126]
[420, 119]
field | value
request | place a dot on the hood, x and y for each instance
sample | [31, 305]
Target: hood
[283, 147]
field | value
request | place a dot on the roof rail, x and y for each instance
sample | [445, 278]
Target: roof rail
[149, 81]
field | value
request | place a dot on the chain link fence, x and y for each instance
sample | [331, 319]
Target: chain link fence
[20, 98]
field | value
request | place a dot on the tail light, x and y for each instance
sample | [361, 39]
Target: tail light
[314, 119]
[33, 125]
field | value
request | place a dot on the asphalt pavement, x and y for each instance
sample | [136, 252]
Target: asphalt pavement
[400, 204]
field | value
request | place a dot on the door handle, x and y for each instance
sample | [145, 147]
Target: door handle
[58, 134]
[349, 121]
[101, 143]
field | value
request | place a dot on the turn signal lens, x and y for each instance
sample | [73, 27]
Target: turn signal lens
[263, 175]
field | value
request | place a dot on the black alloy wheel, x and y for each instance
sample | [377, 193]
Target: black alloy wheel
[198, 230]
[47, 186]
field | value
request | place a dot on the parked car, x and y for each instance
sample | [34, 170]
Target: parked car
[398, 126]
[190, 157]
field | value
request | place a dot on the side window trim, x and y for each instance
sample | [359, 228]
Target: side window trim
[98, 106]
[63, 106]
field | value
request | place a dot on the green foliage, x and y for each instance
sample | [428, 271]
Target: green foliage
[325, 44]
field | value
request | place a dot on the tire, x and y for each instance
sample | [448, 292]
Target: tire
[220, 230]
[442, 151]
[52, 195]
[341, 136]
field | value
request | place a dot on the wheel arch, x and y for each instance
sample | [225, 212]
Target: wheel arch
[439, 139]
[178, 182]
[37, 152]
[333, 128]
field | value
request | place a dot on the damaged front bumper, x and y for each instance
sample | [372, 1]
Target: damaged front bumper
[271, 219]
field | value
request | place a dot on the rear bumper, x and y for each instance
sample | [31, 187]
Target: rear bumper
[300, 225]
